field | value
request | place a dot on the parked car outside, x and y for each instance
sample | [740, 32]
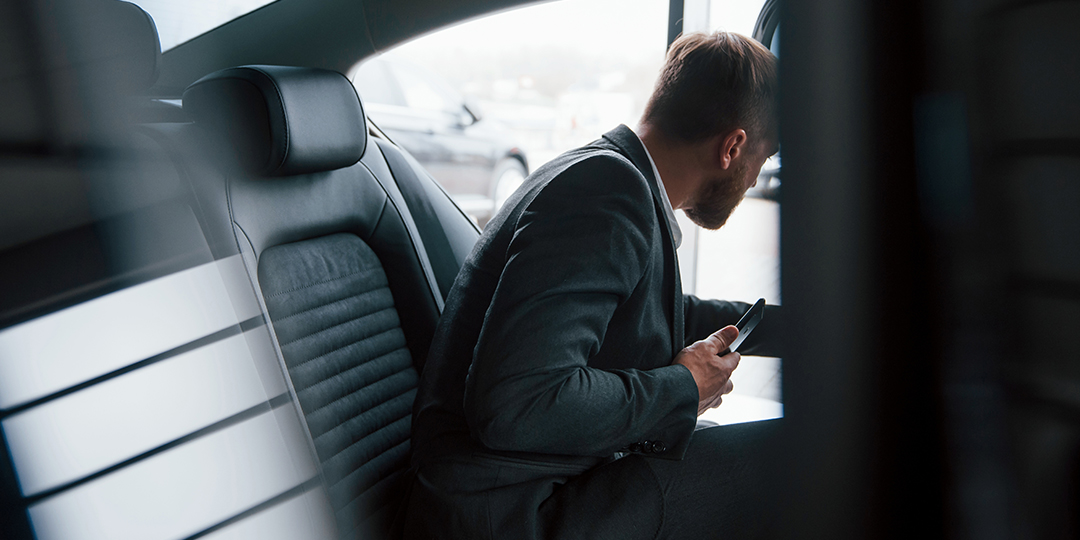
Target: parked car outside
[768, 182]
[475, 159]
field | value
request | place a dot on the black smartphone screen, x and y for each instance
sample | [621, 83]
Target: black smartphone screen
[747, 323]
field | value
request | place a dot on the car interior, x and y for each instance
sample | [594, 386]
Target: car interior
[220, 280]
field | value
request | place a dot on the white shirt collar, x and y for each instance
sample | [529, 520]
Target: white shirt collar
[676, 231]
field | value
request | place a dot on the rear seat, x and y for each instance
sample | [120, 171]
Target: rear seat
[339, 263]
[126, 413]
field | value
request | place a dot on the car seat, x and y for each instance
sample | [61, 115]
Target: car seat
[142, 391]
[340, 265]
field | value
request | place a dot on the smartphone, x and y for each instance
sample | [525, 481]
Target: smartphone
[746, 324]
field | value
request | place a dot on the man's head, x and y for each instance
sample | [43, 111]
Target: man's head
[717, 92]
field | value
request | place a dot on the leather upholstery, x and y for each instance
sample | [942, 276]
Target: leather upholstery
[345, 352]
[275, 211]
[284, 120]
[342, 270]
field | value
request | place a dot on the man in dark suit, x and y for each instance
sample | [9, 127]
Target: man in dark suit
[561, 393]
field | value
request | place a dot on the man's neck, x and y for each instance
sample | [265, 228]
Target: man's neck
[676, 164]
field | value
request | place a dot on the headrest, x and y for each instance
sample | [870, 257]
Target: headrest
[94, 55]
[120, 46]
[282, 120]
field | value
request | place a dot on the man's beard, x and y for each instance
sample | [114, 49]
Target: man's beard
[717, 199]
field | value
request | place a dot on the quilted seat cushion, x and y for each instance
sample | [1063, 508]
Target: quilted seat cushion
[346, 356]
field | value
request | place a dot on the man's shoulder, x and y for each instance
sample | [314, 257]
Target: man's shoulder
[589, 183]
[596, 168]
[592, 187]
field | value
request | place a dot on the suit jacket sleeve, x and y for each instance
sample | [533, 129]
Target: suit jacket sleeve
[578, 251]
[704, 317]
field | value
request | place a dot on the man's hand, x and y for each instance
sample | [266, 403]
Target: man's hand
[712, 373]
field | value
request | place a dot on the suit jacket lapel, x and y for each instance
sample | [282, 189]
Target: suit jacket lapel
[629, 145]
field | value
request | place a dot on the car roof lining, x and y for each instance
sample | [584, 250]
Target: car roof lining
[328, 34]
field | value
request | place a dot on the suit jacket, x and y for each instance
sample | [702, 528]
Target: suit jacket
[554, 350]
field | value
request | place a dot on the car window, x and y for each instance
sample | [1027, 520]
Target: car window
[178, 22]
[375, 85]
[424, 91]
[517, 93]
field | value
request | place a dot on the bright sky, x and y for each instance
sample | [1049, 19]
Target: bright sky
[180, 20]
[641, 24]
[623, 27]
[584, 23]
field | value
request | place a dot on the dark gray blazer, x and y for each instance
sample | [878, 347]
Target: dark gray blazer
[554, 351]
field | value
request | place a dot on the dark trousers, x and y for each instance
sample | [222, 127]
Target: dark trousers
[724, 493]
[718, 490]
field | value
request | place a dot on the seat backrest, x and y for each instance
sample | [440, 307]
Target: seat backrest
[140, 394]
[340, 265]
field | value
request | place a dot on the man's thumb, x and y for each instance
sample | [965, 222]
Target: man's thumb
[726, 335]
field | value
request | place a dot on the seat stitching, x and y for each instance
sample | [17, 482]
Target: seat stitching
[350, 344]
[361, 494]
[378, 473]
[378, 481]
[338, 301]
[343, 276]
[343, 422]
[327, 380]
[342, 323]
[355, 390]
[387, 451]
[382, 434]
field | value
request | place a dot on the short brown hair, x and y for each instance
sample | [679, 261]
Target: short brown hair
[712, 84]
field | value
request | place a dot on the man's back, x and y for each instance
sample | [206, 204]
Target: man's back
[558, 320]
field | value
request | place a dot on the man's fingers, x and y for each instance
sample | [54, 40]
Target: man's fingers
[723, 337]
[711, 403]
[712, 374]
[735, 358]
[727, 363]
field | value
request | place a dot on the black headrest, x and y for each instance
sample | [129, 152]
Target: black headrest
[282, 120]
[94, 54]
[130, 35]
[116, 41]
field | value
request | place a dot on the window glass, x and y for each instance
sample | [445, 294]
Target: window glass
[542, 79]
[421, 90]
[734, 15]
[374, 84]
[180, 20]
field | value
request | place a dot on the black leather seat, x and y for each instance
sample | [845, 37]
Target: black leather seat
[162, 404]
[343, 273]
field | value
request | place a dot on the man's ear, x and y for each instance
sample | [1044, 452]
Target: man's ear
[730, 146]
